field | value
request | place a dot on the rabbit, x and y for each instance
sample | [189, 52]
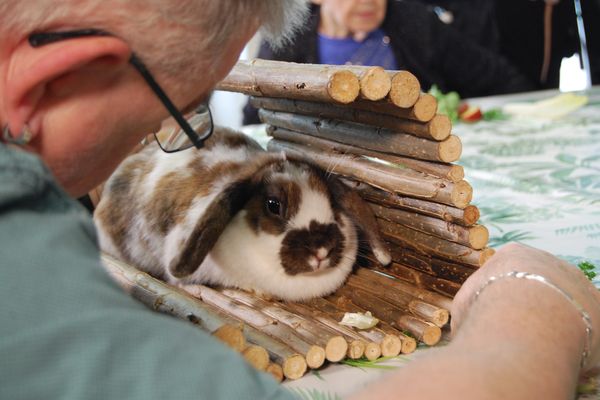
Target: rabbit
[235, 215]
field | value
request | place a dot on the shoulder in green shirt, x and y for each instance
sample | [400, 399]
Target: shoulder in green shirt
[68, 332]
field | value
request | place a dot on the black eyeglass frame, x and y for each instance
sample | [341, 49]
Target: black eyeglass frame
[43, 38]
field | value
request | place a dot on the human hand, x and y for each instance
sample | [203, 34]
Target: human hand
[517, 257]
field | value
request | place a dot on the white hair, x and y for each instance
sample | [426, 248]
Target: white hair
[155, 28]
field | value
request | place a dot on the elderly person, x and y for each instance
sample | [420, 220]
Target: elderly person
[72, 95]
[76, 95]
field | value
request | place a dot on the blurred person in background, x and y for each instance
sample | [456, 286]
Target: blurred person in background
[535, 35]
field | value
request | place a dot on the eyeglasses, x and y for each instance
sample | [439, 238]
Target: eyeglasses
[192, 133]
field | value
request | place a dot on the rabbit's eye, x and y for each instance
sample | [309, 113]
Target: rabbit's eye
[274, 206]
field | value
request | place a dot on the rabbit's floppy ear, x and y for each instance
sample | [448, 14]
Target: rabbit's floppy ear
[224, 206]
[362, 215]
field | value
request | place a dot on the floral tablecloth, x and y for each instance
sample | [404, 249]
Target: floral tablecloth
[536, 181]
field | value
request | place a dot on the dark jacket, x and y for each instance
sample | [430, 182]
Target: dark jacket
[423, 45]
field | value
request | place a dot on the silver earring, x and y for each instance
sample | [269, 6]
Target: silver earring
[23, 138]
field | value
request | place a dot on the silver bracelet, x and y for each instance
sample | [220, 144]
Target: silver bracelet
[539, 278]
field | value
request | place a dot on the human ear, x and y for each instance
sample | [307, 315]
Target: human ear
[33, 71]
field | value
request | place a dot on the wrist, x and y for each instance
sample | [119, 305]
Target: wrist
[530, 317]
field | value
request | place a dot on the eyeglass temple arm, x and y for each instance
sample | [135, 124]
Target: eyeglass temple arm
[189, 131]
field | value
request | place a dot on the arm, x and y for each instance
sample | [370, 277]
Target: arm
[518, 340]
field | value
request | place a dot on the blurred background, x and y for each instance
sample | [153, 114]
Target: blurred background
[552, 43]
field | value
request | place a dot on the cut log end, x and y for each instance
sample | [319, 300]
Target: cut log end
[356, 349]
[276, 371]
[462, 194]
[391, 345]
[315, 357]
[440, 317]
[425, 107]
[450, 149]
[405, 90]
[440, 127]
[431, 335]
[471, 215]
[478, 237]
[485, 255]
[372, 351]
[343, 87]
[456, 174]
[436, 315]
[294, 367]
[256, 356]
[409, 345]
[375, 84]
[232, 336]
[336, 349]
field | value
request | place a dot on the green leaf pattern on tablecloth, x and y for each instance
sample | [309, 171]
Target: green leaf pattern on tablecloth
[538, 182]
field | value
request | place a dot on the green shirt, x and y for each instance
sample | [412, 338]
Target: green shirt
[68, 332]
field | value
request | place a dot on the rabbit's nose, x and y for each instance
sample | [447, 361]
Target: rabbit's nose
[321, 253]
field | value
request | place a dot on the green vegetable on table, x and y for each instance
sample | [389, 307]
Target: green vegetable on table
[588, 269]
[450, 104]
[447, 102]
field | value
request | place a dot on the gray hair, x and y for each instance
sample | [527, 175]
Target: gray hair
[155, 28]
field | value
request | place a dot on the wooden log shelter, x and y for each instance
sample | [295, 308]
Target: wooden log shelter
[377, 131]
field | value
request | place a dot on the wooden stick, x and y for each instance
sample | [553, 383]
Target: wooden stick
[375, 82]
[290, 80]
[165, 298]
[390, 343]
[419, 293]
[335, 345]
[420, 279]
[451, 172]
[276, 371]
[434, 266]
[367, 137]
[356, 349]
[475, 236]
[423, 331]
[419, 308]
[257, 357]
[357, 344]
[266, 324]
[467, 216]
[437, 129]
[407, 182]
[428, 244]
[408, 344]
[232, 336]
[372, 351]
[405, 89]
[423, 110]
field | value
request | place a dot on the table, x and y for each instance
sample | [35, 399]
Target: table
[535, 181]
[538, 181]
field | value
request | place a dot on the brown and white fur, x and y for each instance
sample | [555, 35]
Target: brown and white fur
[234, 215]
